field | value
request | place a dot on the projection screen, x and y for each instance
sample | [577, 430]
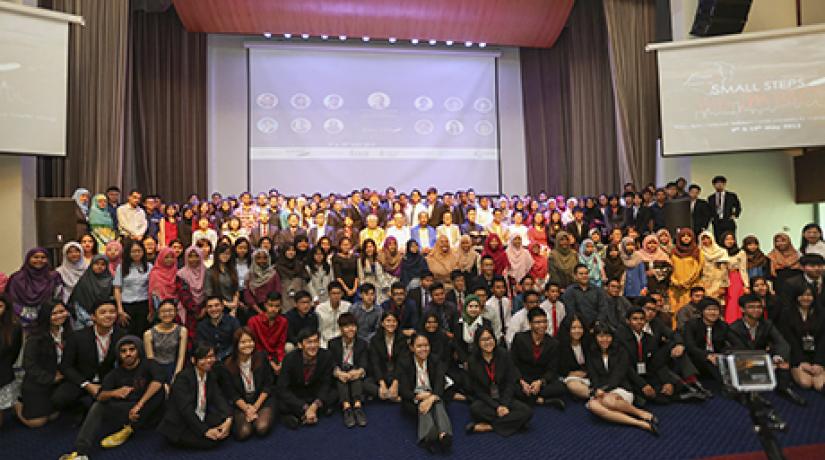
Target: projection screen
[33, 77]
[336, 118]
[747, 92]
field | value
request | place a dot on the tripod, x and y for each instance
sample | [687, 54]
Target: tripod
[765, 423]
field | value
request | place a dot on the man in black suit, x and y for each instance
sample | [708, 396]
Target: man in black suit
[578, 228]
[638, 216]
[356, 212]
[813, 267]
[725, 206]
[264, 227]
[420, 296]
[373, 207]
[707, 338]
[287, 235]
[304, 383]
[435, 207]
[89, 355]
[700, 211]
[350, 356]
[536, 357]
[335, 217]
[754, 332]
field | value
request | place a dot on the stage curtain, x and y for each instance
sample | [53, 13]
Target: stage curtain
[97, 86]
[569, 113]
[166, 131]
[631, 24]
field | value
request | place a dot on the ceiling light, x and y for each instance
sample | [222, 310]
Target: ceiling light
[449, 43]
[482, 45]
[287, 36]
[393, 39]
[324, 37]
[432, 42]
[365, 39]
[342, 37]
[267, 34]
[305, 36]
[468, 44]
[414, 41]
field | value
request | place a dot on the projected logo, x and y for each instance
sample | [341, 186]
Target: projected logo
[267, 125]
[423, 103]
[424, 127]
[484, 128]
[453, 104]
[333, 101]
[300, 125]
[710, 74]
[333, 126]
[483, 105]
[454, 127]
[266, 101]
[300, 101]
[378, 100]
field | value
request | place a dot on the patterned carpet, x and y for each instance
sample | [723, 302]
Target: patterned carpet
[716, 428]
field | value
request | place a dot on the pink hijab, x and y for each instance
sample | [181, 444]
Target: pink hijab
[114, 262]
[659, 255]
[194, 277]
[163, 276]
[521, 261]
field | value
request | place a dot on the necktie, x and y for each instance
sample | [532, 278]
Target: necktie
[501, 316]
[816, 288]
[460, 302]
[639, 350]
[555, 323]
[709, 339]
[719, 208]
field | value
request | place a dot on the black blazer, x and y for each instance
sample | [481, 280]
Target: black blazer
[9, 354]
[40, 360]
[79, 363]
[506, 376]
[407, 376]
[792, 286]
[529, 369]
[262, 375]
[382, 366]
[415, 297]
[694, 335]
[732, 207]
[767, 338]
[360, 353]
[463, 349]
[793, 329]
[701, 215]
[619, 374]
[439, 209]
[356, 213]
[293, 390]
[642, 220]
[567, 359]
[573, 230]
[183, 400]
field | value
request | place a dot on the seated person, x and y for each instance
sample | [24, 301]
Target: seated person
[166, 342]
[304, 383]
[131, 396]
[89, 355]
[41, 358]
[269, 331]
[446, 350]
[554, 308]
[367, 313]
[803, 326]
[444, 310]
[217, 328]
[615, 313]
[422, 392]
[197, 415]
[707, 338]
[299, 318]
[573, 357]
[527, 284]
[249, 383]
[498, 308]
[536, 357]
[753, 332]
[465, 329]
[520, 321]
[458, 292]
[403, 307]
[350, 356]
[493, 383]
[387, 348]
[691, 309]
[610, 373]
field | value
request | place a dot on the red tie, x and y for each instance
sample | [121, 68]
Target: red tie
[555, 323]
[639, 349]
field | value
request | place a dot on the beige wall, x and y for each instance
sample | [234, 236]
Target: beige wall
[813, 11]
[18, 183]
[771, 14]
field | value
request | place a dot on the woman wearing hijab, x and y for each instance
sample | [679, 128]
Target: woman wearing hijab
[715, 269]
[590, 258]
[468, 258]
[519, 259]
[94, 286]
[163, 279]
[442, 260]
[784, 260]
[413, 265]
[635, 272]
[32, 285]
[614, 268]
[738, 280]
[494, 248]
[101, 225]
[562, 261]
[72, 267]
[191, 290]
[261, 280]
[687, 261]
[292, 273]
[657, 263]
[758, 262]
[81, 197]
[114, 253]
[539, 269]
[665, 240]
[390, 259]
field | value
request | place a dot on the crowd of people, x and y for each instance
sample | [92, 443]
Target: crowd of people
[223, 315]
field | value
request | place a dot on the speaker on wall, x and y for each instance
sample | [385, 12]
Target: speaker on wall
[807, 170]
[55, 222]
[677, 215]
[720, 17]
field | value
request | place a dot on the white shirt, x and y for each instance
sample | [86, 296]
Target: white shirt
[518, 323]
[452, 232]
[200, 405]
[560, 314]
[818, 248]
[579, 354]
[246, 376]
[415, 210]
[422, 378]
[484, 217]
[208, 234]
[328, 320]
[131, 221]
[494, 314]
[402, 235]
[348, 352]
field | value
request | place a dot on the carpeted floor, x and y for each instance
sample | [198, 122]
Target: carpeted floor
[715, 428]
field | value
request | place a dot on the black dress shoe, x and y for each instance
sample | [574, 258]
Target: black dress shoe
[360, 416]
[793, 397]
[290, 421]
[654, 429]
[654, 420]
[691, 395]
[470, 428]
[446, 442]
[349, 418]
[701, 389]
[555, 402]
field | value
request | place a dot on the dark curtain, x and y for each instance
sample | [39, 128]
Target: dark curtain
[569, 113]
[166, 132]
[137, 103]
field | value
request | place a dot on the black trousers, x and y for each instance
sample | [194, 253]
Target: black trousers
[554, 389]
[138, 324]
[721, 226]
[191, 440]
[291, 408]
[115, 414]
[67, 395]
[355, 390]
[518, 417]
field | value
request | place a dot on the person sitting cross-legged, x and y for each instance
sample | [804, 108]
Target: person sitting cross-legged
[536, 357]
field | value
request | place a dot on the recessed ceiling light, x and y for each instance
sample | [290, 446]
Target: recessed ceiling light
[324, 37]
[432, 42]
[365, 39]
[449, 43]
[268, 34]
[393, 39]
[305, 36]
[342, 37]
[287, 36]
[414, 41]
[468, 44]
[482, 45]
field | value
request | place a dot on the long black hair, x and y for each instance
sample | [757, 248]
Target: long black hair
[126, 258]
[8, 321]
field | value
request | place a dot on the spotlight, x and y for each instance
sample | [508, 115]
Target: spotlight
[324, 37]
[414, 41]
[305, 36]
[393, 39]
[449, 43]
[482, 45]
[267, 34]
[365, 39]
[342, 38]
[468, 44]
[287, 36]
[432, 42]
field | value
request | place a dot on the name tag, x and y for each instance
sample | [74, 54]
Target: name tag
[641, 368]
[808, 343]
[494, 391]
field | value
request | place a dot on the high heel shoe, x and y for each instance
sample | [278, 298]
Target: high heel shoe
[654, 429]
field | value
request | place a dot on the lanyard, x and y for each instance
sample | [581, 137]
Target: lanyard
[491, 371]
[555, 321]
[708, 339]
[102, 350]
[248, 380]
[348, 354]
[422, 376]
[202, 395]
